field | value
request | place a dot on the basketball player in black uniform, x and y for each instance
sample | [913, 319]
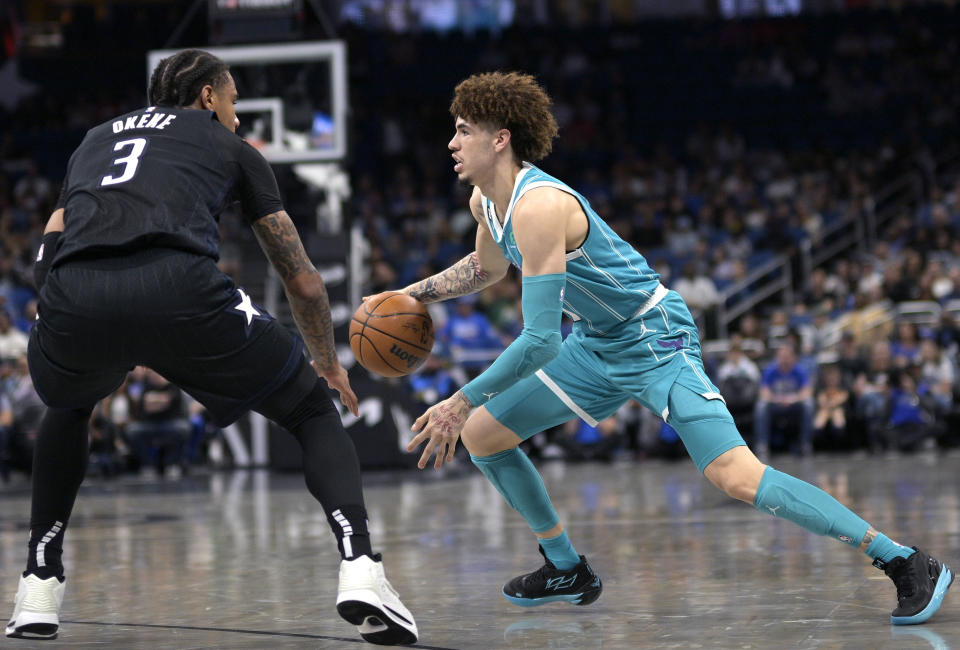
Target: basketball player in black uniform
[128, 275]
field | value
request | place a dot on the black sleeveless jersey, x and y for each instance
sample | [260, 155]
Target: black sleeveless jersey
[159, 177]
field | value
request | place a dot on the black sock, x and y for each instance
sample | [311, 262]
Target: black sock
[59, 464]
[332, 473]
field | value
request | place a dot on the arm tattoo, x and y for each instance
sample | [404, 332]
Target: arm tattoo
[305, 290]
[462, 278]
[280, 241]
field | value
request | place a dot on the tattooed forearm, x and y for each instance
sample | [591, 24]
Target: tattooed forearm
[280, 240]
[316, 325]
[462, 278]
[302, 283]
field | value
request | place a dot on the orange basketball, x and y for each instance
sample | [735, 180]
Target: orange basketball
[392, 337]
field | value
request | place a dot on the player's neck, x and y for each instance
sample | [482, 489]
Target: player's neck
[499, 188]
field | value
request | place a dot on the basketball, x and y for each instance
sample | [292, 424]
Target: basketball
[392, 337]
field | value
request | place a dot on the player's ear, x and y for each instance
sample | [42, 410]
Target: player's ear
[502, 139]
[206, 97]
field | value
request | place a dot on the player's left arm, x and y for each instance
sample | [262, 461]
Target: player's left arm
[305, 290]
[539, 225]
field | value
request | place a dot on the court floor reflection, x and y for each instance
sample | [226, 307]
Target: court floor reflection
[246, 560]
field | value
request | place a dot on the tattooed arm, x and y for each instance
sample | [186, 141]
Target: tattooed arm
[478, 270]
[302, 283]
[307, 294]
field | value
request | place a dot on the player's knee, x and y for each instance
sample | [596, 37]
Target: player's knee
[737, 473]
[290, 414]
[482, 435]
[472, 437]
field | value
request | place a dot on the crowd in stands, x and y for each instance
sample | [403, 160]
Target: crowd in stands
[712, 147]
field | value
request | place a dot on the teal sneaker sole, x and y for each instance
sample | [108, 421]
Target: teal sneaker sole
[943, 584]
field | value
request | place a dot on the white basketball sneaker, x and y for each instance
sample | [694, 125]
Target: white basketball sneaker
[366, 599]
[36, 609]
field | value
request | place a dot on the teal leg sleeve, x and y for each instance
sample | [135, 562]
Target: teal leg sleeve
[782, 495]
[515, 477]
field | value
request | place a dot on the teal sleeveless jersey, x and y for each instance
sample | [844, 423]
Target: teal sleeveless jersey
[608, 281]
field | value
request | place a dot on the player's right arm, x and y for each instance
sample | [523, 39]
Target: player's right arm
[480, 269]
[305, 290]
[308, 298]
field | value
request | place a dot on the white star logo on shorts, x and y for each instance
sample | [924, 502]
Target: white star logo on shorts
[246, 307]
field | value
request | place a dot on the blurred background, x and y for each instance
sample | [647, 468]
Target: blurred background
[789, 166]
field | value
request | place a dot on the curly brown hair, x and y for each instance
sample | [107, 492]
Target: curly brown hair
[512, 101]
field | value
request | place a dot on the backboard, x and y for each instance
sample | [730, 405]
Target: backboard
[293, 97]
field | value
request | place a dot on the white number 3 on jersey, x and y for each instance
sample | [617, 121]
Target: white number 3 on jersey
[130, 163]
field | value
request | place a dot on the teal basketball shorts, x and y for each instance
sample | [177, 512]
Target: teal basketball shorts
[653, 358]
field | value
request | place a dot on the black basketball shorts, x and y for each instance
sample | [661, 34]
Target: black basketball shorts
[172, 311]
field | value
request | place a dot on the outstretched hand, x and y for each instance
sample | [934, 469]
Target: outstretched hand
[338, 380]
[440, 426]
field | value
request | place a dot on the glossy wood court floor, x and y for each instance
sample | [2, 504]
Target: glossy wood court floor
[246, 560]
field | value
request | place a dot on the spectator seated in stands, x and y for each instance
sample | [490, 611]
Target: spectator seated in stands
[159, 428]
[696, 288]
[738, 379]
[905, 345]
[785, 399]
[472, 341]
[106, 448]
[28, 410]
[911, 425]
[938, 372]
[581, 441]
[13, 342]
[433, 382]
[830, 418]
[871, 389]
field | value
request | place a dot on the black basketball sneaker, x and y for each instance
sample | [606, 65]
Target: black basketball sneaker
[548, 584]
[922, 582]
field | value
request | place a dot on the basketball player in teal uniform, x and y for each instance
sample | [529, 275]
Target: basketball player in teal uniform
[632, 338]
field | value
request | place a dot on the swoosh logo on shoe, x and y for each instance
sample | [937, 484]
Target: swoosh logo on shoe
[398, 615]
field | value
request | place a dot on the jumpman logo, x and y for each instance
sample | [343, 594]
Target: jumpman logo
[644, 329]
[773, 511]
[490, 395]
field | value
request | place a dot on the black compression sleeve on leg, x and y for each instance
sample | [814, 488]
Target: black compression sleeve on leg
[330, 464]
[59, 465]
[332, 472]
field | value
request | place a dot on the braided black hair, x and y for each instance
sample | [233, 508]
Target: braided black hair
[178, 79]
